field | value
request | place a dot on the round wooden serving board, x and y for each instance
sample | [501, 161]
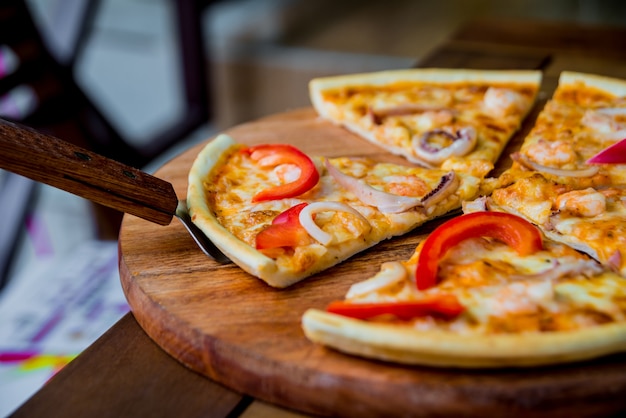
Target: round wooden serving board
[233, 328]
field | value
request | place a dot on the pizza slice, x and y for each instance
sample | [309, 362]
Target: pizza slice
[484, 289]
[442, 118]
[553, 182]
[282, 215]
[586, 114]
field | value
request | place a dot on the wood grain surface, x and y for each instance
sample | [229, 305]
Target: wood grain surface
[231, 327]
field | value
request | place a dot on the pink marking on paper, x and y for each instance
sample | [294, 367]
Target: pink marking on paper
[16, 356]
[48, 327]
[39, 236]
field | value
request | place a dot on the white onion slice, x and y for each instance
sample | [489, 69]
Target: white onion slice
[307, 222]
[390, 273]
[385, 202]
[528, 163]
[448, 184]
[463, 142]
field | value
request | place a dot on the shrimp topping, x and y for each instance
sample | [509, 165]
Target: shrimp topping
[588, 202]
[605, 120]
[502, 102]
[551, 153]
[521, 297]
[407, 185]
[287, 172]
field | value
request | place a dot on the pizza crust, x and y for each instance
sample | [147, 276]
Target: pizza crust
[478, 166]
[446, 349]
[434, 75]
[248, 258]
[613, 86]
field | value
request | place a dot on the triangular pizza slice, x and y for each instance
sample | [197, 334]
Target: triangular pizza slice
[453, 119]
[282, 215]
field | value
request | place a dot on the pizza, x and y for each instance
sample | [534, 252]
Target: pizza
[282, 215]
[484, 289]
[532, 274]
[441, 118]
[552, 182]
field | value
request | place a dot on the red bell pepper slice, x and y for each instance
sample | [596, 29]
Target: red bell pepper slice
[614, 154]
[442, 305]
[518, 233]
[275, 154]
[285, 231]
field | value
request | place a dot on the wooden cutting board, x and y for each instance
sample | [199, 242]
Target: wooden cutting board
[231, 327]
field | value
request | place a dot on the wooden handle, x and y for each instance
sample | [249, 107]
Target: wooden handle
[60, 164]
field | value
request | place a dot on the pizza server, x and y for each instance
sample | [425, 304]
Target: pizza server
[47, 159]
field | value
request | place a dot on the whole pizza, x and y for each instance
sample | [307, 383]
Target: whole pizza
[528, 271]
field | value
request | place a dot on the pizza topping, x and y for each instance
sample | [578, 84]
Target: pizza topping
[519, 298]
[440, 305]
[518, 233]
[564, 267]
[462, 142]
[271, 155]
[522, 159]
[587, 203]
[385, 202]
[615, 154]
[615, 260]
[610, 122]
[447, 185]
[394, 203]
[407, 109]
[551, 153]
[308, 212]
[502, 102]
[390, 273]
[285, 231]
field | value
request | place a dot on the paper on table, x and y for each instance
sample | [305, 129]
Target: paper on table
[53, 313]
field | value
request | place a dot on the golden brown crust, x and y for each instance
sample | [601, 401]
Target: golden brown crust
[248, 258]
[446, 349]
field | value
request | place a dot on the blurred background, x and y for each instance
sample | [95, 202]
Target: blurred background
[141, 80]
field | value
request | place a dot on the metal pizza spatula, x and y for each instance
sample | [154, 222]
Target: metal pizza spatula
[49, 160]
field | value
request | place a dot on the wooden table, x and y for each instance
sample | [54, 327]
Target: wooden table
[125, 373]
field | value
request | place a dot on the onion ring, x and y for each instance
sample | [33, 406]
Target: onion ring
[391, 272]
[393, 203]
[528, 163]
[463, 142]
[385, 202]
[307, 222]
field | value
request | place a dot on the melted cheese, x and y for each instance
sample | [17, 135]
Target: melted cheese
[506, 293]
[393, 113]
[602, 235]
[231, 188]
